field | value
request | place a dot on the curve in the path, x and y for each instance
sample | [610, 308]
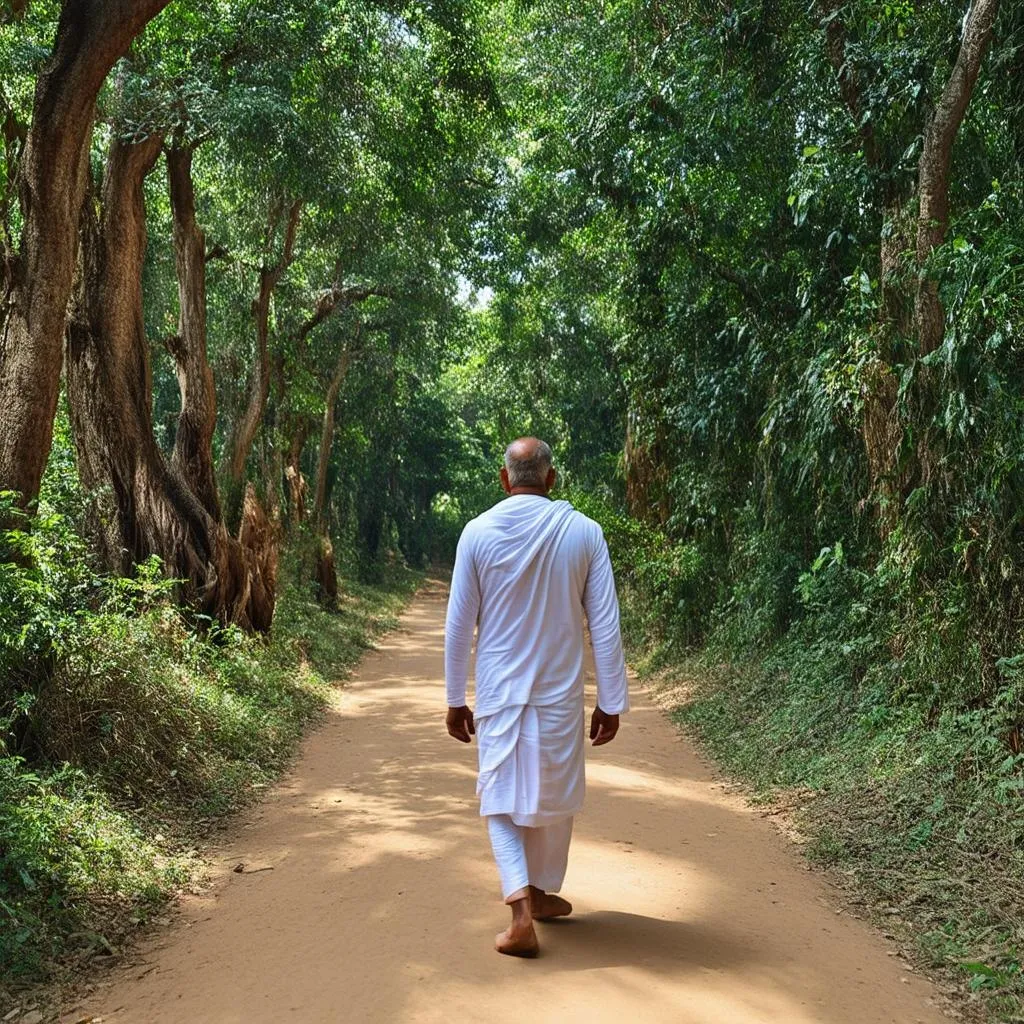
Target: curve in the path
[378, 900]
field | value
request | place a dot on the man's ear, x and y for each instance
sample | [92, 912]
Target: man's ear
[505, 485]
[552, 475]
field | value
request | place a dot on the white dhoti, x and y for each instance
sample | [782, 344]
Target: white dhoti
[531, 784]
[529, 856]
[531, 763]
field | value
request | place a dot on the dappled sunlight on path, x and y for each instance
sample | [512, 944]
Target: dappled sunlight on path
[378, 900]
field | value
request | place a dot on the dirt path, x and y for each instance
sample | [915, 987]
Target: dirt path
[379, 899]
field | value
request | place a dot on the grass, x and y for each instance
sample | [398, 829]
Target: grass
[907, 791]
[127, 733]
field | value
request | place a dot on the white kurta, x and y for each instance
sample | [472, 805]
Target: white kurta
[525, 573]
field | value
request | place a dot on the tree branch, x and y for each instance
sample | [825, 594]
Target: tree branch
[934, 166]
[336, 298]
[259, 386]
[217, 252]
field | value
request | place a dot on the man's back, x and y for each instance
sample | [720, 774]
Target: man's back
[531, 557]
[522, 574]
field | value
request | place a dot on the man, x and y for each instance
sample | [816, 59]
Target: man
[525, 573]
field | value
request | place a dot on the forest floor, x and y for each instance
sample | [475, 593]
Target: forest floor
[363, 890]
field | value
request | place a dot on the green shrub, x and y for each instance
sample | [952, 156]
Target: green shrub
[883, 703]
[125, 724]
[70, 862]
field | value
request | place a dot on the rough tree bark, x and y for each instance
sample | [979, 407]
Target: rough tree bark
[153, 510]
[259, 387]
[934, 167]
[91, 36]
[192, 457]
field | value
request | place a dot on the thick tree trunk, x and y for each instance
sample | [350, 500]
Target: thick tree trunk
[934, 167]
[192, 458]
[259, 542]
[153, 511]
[259, 386]
[91, 36]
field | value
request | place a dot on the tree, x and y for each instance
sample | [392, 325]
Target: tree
[155, 507]
[91, 36]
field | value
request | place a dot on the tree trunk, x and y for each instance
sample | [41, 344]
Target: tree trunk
[297, 487]
[259, 386]
[905, 308]
[934, 167]
[327, 436]
[882, 427]
[645, 471]
[326, 571]
[153, 511]
[258, 539]
[192, 457]
[327, 576]
[91, 36]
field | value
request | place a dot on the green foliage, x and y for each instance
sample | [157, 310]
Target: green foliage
[652, 234]
[666, 588]
[911, 777]
[124, 727]
[818, 519]
[70, 863]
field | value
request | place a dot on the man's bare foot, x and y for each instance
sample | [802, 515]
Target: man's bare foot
[518, 941]
[546, 905]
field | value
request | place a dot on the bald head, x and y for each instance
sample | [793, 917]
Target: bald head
[528, 464]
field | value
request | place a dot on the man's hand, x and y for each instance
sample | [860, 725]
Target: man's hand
[603, 727]
[460, 723]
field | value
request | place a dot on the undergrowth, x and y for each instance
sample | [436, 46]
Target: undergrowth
[125, 728]
[882, 710]
[885, 703]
